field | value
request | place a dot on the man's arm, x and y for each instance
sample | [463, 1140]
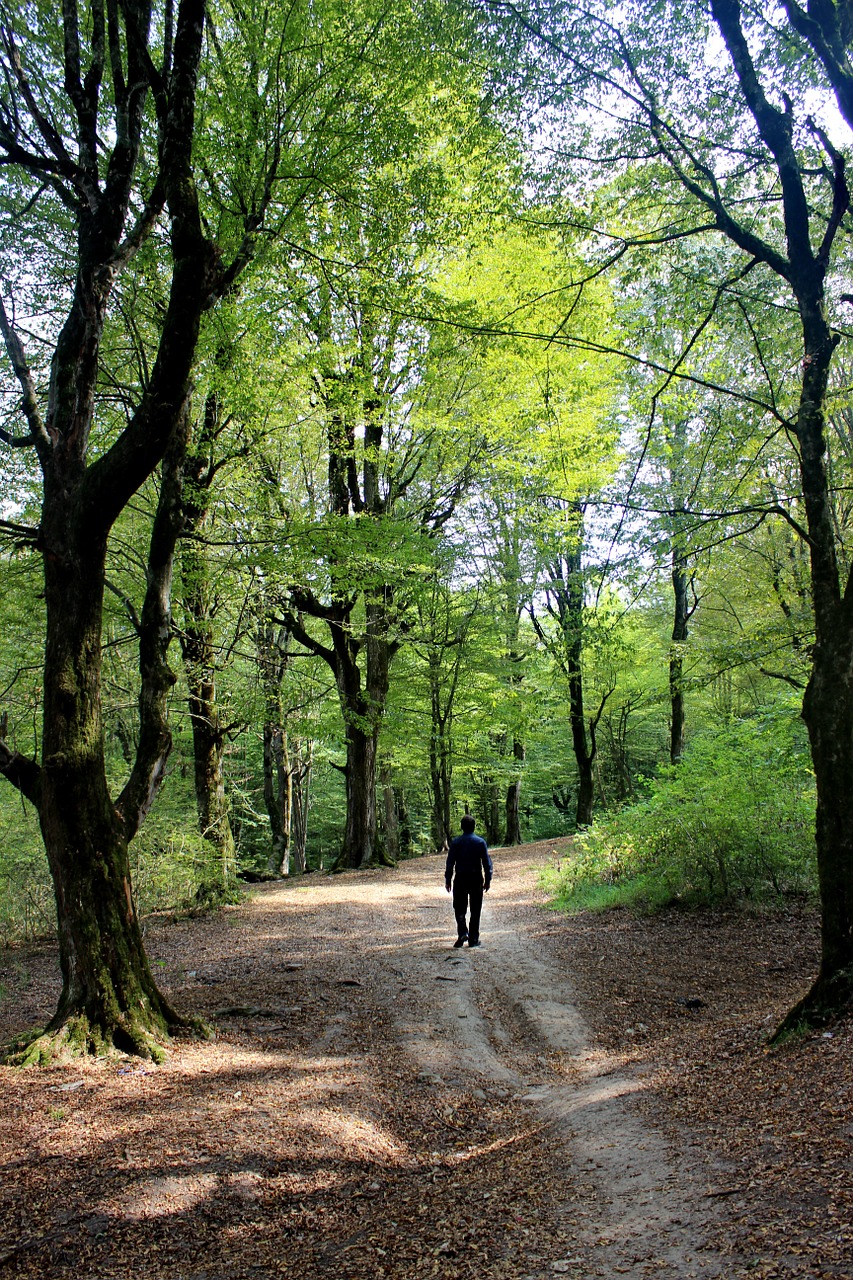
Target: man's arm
[487, 868]
[448, 867]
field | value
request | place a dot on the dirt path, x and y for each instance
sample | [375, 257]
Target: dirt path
[508, 1016]
[375, 1104]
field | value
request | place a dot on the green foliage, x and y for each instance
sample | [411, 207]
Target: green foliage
[173, 866]
[26, 896]
[734, 819]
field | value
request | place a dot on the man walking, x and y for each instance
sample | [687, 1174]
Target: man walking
[469, 857]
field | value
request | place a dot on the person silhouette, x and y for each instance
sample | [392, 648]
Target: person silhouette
[468, 872]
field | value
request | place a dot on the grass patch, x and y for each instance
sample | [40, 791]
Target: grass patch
[643, 894]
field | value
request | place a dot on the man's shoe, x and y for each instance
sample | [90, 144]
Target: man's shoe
[474, 943]
[460, 942]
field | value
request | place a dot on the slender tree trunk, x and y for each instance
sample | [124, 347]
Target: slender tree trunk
[199, 649]
[676, 657]
[586, 777]
[285, 799]
[440, 756]
[513, 802]
[278, 793]
[301, 779]
[677, 435]
[583, 737]
[512, 631]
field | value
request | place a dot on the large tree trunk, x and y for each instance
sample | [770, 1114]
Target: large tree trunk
[360, 845]
[828, 702]
[108, 995]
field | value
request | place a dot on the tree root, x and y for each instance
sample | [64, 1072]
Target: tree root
[79, 1037]
[829, 999]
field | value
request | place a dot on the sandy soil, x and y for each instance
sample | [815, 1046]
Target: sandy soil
[580, 1098]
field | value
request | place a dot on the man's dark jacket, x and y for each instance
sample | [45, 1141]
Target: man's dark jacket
[469, 855]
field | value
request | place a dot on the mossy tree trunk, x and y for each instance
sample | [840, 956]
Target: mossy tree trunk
[108, 995]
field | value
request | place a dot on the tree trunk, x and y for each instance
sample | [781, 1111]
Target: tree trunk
[108, 996]
[586, 779]
[211, 800]
[301, 780]
[583, 742]
[360, 846]
[198, 643]
[677, 439]
[513, 802]
[440, 755]
[278, 795]
[827, 705]
[390, 822]
[676, 658]
[490, 806]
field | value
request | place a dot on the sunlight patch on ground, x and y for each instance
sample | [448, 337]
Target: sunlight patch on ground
[344, 1134]
[162, 1196]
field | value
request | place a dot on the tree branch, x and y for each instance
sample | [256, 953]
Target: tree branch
[23, 773]
[38, 436]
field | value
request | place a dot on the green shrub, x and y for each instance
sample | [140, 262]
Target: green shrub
[734, 819]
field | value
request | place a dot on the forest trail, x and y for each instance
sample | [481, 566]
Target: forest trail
[378, 1104]
[509, 1017]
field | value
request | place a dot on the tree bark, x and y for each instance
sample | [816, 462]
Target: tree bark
[390, 821]
[512, 834]
[301, 784]
[676, 657]
[828, 701]
[440, 751]
[199, 651]
[583, 736]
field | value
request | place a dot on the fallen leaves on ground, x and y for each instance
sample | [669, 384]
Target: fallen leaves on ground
[303, 1142]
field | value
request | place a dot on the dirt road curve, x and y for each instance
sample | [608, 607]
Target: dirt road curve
[375, 1104]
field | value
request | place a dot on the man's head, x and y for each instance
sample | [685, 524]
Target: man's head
[468, 824]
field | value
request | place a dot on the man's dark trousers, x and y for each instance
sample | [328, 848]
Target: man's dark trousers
[463, 895]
